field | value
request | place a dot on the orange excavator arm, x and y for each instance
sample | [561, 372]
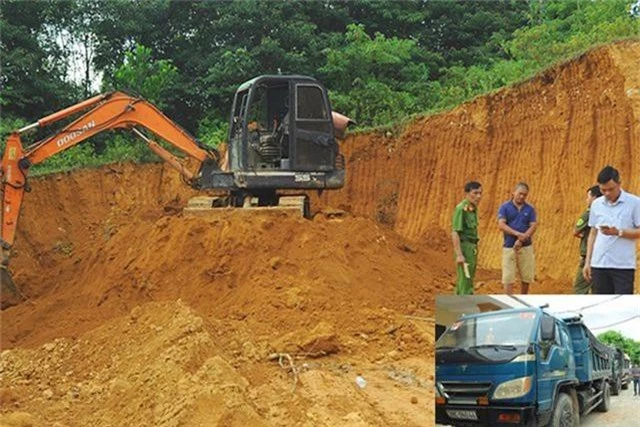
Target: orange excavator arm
[115, 110]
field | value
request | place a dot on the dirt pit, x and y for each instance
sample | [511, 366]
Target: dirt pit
[146, 306]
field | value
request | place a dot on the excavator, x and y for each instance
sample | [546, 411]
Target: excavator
[282, 136]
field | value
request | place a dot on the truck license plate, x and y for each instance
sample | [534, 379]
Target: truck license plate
[459, 414]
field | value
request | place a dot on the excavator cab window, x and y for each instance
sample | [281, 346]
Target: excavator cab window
[314, 146]
[265, 109]
[279, 112]
[257, 117]
[238, 110]
[236, 130]
[310, 106]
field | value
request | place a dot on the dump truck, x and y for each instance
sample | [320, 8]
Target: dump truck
[283, 136]
[621, 371]
[626, 371]
[520, 367]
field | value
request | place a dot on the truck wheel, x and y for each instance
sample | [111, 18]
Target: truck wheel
[563, 414]
[606, 399]
[615, 388]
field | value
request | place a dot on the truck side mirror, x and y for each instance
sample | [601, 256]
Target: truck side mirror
[547, 328]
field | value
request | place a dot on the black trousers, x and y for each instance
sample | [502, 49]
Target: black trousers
[612, 280]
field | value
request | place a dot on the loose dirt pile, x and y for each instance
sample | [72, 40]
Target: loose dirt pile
[163, 365]
[133, 307]
[138, 315]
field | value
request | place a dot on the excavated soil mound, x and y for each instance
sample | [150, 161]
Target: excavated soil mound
[138, 315]
[126, 294]
[99, 258]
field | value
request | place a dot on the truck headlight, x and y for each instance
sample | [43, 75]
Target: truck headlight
[513, 388]
[440, 400]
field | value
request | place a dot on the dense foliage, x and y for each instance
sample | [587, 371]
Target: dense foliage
[382, 61]
[629, 346]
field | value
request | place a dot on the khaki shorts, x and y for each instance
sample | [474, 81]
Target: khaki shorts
[523, 260]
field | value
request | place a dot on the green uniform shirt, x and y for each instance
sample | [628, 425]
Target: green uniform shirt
[582, 225]
[465, 221]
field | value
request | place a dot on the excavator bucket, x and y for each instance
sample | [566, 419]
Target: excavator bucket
[9, 295]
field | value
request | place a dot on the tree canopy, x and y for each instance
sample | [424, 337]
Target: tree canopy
[629, 346]
[381, 61]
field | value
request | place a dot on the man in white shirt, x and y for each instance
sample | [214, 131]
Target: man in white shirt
[615, 225]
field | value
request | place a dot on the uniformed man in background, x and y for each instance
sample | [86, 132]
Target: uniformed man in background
[581, 230]
[465, 237]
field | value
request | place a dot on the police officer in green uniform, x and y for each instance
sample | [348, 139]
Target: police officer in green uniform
[465, 237]
[581, 230]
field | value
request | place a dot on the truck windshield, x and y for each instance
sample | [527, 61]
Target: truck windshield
[496, 338]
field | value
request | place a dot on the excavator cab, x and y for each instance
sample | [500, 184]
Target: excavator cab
[282, 123]
[282, 135]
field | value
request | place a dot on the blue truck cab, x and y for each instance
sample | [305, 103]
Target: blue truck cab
[520, 367]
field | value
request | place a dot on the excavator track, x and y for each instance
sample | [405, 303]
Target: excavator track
[210, 205]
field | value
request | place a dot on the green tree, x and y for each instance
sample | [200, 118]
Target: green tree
[381, 60]
[218, 45]
[565, 28]
[375, 80]
[466, 33]
[140, 73]
[32, 73]
[629, 346]
[71, 26]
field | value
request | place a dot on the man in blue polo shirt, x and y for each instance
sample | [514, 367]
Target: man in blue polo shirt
[517, 220]
[615, 226]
